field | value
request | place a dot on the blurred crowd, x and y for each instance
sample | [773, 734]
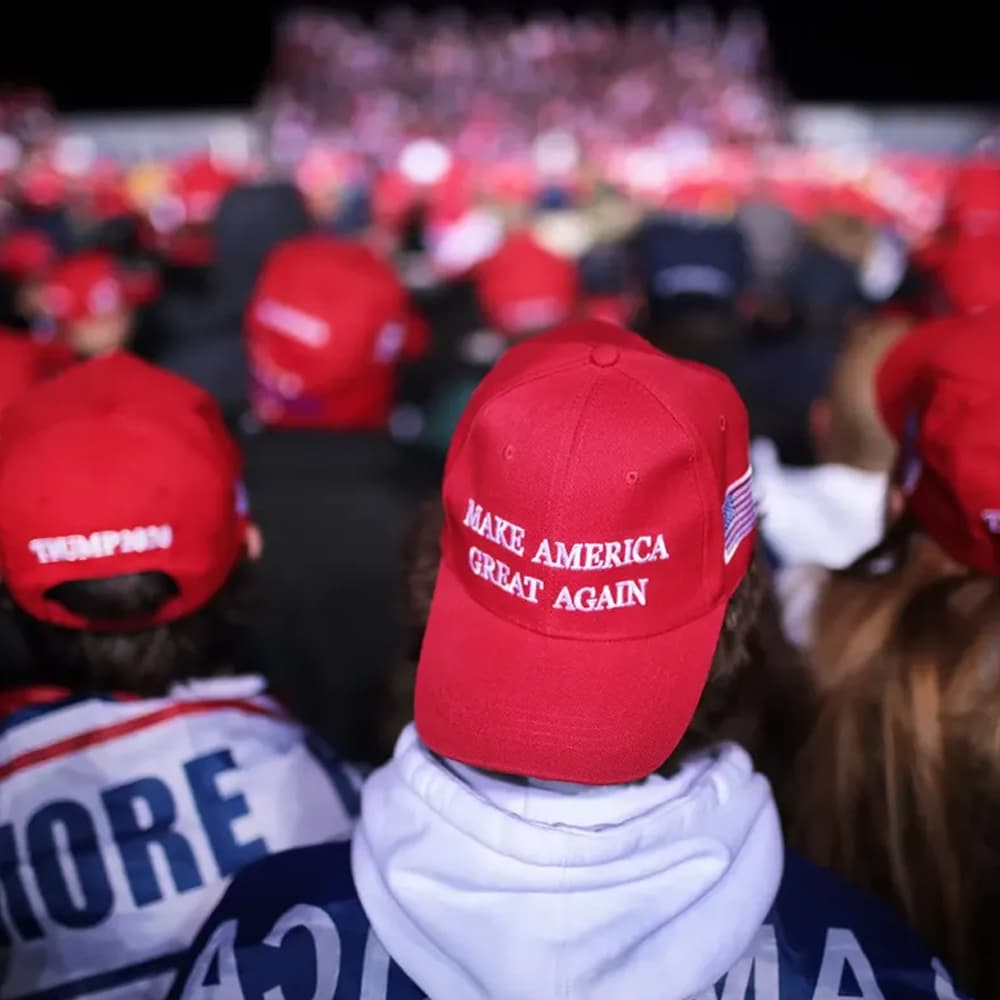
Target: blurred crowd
[415, 586]
[492, 86]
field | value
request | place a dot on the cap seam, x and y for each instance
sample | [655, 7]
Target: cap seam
[698, 443]
[563, 367]
[583, 399]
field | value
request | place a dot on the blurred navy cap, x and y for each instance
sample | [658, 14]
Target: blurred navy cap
[604, 269]
[680, 257]
[553, 198]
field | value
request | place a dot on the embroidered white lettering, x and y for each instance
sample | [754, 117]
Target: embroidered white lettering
[623, 594]
[595, 556]
[589, 556]
[497, 529]
[498, 573]
[102, 544]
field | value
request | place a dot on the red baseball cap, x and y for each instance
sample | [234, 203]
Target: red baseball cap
[199, 184]
[939, 394]
[524, 288]
[26, 253]
[326, 325]
[598, 517]
[85, 286]
[116, 467]
[974, 199]
[968, 269]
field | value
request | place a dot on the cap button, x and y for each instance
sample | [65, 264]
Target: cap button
[605, 355]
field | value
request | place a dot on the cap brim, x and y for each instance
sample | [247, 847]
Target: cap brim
[503, 698]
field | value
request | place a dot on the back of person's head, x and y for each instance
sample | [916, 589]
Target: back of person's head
[587, 646]
[680, 257]
[899, 781]
[694, 275]
[557, 553]
[695, 327]
[122, 529]
[846, 426]
[773, 237]
[326, 327]
[252, 219]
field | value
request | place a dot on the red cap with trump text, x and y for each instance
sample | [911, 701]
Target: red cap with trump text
[598, 517]
[939, 393]
[115, 467]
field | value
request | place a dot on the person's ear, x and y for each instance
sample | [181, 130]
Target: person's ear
[820, 421]
[254, 542]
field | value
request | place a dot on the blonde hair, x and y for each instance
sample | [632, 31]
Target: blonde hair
[897, 787]
[855, 434]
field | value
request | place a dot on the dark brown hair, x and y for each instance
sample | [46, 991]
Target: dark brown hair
[756, 695]
[146, 662]
[898, 786]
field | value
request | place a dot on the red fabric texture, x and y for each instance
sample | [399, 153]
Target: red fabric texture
[25, 362]
[968, 269]
[974, 200]
[26, 253]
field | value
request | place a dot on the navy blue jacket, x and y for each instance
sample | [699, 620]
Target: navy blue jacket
[291, 926]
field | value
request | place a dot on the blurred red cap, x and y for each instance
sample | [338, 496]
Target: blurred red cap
[524, 288]
[117, 467]
[974, 200]
[24, 362]
[939, 394]
[200, 183]
[85, 286]
[968, 269]
[26, 253]
[326, 325]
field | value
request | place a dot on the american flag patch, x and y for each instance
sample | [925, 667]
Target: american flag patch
[739, 514]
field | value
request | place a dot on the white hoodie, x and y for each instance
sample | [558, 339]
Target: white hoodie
[483, 888]
[828, 515]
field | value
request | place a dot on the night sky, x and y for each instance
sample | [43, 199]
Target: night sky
[163, 56]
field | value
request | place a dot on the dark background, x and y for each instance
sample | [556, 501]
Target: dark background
[163, 55]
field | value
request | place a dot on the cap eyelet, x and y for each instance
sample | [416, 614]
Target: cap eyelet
[631, 478]
[722, 423]
[508, 452]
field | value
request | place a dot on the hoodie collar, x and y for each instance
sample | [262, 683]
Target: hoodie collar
[485, 888]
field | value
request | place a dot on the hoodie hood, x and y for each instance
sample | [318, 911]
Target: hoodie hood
[827, 515]
[481, 887]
